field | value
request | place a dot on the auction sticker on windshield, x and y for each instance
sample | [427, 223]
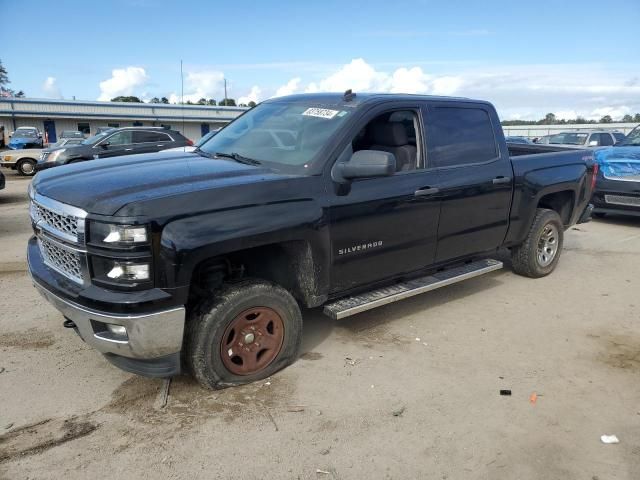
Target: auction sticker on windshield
[320, 112]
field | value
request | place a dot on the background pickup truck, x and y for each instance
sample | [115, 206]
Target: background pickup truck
[205, 259]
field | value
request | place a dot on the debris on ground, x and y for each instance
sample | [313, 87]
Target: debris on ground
[533, 398]
[351, 361]
[417, 339]
[296, 408]
[609, 439]
[323, 472]
[399, 411]
[163, 394]
[505, 393]
[7, 427]
[325, 451]
[2, 369]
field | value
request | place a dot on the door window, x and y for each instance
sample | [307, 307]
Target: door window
[150, 137]
[460, 136]
[395, 132]
[120, 138]
[605, 139]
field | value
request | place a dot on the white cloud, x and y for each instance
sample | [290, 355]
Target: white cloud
[288, 89]
[252, 96]
[203, 84]
[51, 89]
[123, 81]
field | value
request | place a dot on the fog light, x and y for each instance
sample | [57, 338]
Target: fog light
[117, 330]
[129, 272]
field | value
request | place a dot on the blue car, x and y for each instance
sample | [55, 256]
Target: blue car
[26, 137]
[618, 181]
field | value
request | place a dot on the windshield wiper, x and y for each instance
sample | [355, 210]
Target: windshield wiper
[238, 158]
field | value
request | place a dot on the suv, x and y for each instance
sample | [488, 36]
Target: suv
[114, 143]
[595, 138]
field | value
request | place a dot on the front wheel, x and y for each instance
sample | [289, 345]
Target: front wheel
[26, 167]
[245, 332]
[538, 255]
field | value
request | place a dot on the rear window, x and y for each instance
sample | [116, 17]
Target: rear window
[460, 136]
[148, 137]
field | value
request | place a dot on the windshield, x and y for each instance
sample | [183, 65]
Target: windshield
[284, 136]
[569, 138]
[96, 138]
[206, 138]
[633, 138]
[24, 134]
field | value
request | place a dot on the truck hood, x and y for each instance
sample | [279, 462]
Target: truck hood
[619, 162]
[105, 186]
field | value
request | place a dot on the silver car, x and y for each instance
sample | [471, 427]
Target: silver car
[24, 160]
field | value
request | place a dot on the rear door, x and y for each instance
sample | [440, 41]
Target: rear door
[146, 141]
[474, 178]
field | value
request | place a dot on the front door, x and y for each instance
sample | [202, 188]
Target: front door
[50, 131]
[475, 179]
[120, 143]
[386, 226]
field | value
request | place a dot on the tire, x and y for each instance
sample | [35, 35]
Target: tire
[529, 258]
[219, 324]
[26, 167]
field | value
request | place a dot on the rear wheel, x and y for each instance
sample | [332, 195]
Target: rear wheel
[26, 167]
[245, 332]
[538, 255]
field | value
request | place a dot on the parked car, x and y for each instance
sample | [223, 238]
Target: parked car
[618, 182]
[207, 257]
[204, 139]
[25, 137]
[113, 143]
[511, 139]
[25, 160]
[581, 139]
[2, 181]
[72, 134]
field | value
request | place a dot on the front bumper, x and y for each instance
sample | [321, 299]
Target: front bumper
[616, 196]
[153, 339]
[44, 165]
[7, 164]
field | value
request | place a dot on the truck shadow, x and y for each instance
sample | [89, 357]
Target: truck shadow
[374, 326]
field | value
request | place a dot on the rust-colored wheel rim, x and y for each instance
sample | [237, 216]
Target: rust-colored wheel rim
[252, 340]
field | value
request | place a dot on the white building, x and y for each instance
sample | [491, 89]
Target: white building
[53, 116]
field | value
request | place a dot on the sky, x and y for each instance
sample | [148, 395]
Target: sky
[527, 57]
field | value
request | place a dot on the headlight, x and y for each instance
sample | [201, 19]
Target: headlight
[53, 156]
[129, 273]
[109, 234]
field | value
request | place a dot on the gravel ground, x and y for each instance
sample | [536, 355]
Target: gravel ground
[410, 390]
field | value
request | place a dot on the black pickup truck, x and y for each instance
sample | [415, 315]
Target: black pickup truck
[203, 260]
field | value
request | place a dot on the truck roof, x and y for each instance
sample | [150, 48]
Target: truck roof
[362, 98]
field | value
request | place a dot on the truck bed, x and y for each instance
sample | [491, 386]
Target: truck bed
[517, 149]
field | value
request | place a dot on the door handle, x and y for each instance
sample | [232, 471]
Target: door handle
[423, 192]
[128, 149]
[501, 179]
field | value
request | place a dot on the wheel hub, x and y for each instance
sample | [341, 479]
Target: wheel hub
[252, 340]
[547, 245]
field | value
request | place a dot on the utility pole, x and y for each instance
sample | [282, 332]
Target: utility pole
[225, 92]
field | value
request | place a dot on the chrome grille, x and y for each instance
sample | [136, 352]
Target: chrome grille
[58, 222]
[622, 200]
[66, 261]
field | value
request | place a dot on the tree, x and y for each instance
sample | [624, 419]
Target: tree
[189, 102]
[606, 119]
[20, 94]
[252, 104]
[154, 100]
[229, 102]
[627, 118]
[202, 101]
[636, 117]
[4, 77]
[549, 119]
[164, 100]
[129, 98]
[211, 101]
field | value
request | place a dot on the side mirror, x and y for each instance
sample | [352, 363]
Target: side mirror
[369, 163]
[593, 143]
[105, 145]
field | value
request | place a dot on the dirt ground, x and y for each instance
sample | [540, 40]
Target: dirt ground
[410, 390]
